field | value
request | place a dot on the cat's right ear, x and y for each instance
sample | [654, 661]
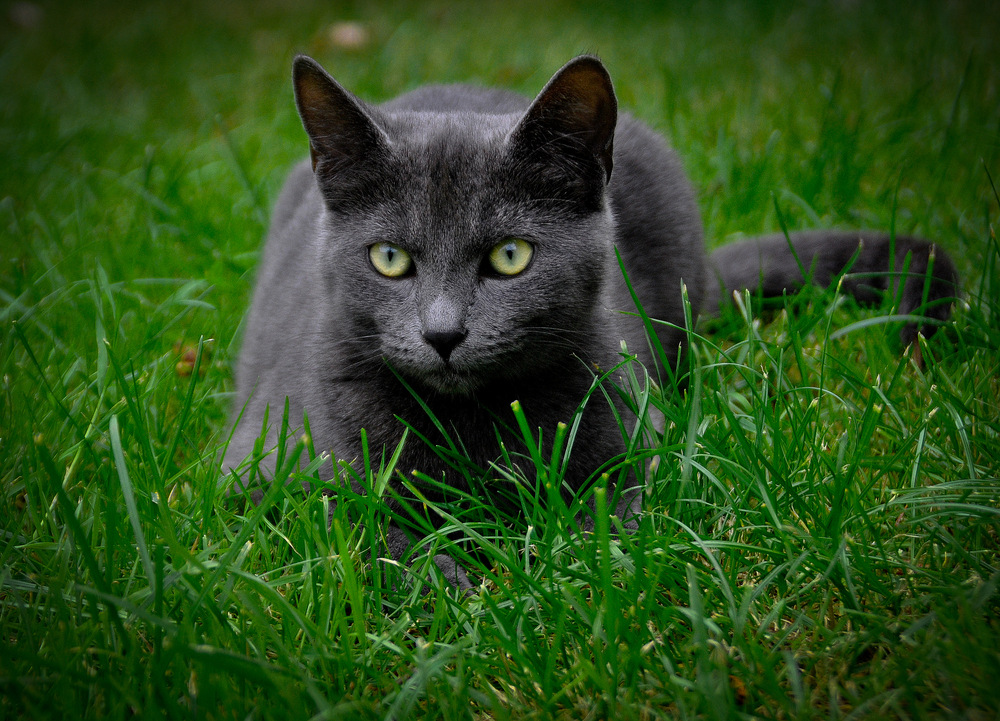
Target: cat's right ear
[339, 126]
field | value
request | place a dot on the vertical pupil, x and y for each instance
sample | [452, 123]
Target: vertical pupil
[389, 252]
[510, 252]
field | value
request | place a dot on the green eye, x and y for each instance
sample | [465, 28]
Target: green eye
[389, 260]
[511, 256]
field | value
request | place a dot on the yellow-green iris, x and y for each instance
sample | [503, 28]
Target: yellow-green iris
[511, 256]
[390, 260]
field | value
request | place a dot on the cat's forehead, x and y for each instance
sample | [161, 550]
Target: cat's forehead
[451, 166]
[458, 137]
[449, 181]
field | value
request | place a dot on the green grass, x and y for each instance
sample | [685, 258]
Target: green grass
[821, 536]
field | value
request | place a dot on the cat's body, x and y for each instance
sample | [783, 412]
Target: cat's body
[436, 183]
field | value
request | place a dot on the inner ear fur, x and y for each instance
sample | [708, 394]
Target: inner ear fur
[577, 104]
[340, 127]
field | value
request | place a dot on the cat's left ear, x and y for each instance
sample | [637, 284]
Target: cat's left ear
[340, 127]
[577, 109]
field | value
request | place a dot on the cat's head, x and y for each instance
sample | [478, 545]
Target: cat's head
[465, 247]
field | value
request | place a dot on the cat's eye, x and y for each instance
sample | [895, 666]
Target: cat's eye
[390, 260]
[511, 256]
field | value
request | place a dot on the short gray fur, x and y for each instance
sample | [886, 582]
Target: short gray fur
[447, 172]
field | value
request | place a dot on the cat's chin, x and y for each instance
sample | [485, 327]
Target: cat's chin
[448, 381]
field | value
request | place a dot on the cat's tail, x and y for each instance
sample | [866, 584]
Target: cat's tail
[918, 275]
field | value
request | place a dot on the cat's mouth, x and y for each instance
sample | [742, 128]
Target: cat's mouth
[450, 380]
[447, 377]
[472, 366]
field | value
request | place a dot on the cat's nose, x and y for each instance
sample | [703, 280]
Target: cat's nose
[445, 340]
[443, 326]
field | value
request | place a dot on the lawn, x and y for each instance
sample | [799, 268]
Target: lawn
[820, 536]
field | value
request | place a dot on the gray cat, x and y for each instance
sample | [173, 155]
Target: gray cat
[457, 245]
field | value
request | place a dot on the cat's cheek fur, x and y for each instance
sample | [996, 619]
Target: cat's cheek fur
[573, 284]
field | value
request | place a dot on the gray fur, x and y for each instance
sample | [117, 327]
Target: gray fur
[446, 173]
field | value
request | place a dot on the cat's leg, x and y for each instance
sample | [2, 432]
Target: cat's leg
[628, 508]
[399, 545]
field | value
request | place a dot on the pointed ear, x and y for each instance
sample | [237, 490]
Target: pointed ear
[339, 126]
[577, 109]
